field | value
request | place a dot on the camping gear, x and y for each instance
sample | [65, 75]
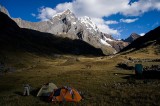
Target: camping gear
[46, 89]
[138, 69]
[65, 94]
[26, 89]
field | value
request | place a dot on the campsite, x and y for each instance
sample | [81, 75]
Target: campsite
[67, 53]
[98, 80]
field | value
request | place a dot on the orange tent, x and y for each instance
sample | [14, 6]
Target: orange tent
[65, 94]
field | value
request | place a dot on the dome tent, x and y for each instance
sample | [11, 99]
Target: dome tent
[46, 89]
[65, 94]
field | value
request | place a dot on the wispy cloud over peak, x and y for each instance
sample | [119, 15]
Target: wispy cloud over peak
[46, 13]
[111, 22]
[128, 20]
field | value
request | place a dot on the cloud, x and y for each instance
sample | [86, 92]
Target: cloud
[128, 20]
[102, 8]
[64, 6]
[34, 15]
[111, 22]
[106, 29]
[46, 13]
[142, 34]
[140, 7]
[101, 24]
[109, 7]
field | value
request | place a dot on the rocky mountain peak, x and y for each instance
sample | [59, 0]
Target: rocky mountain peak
[68, 11]
[88, 23]
[132, 37]
[4, 10]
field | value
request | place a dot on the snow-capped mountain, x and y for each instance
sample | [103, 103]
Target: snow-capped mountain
[87, 22]
[66, 24]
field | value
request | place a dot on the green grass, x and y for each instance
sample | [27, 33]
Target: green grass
[101, 84]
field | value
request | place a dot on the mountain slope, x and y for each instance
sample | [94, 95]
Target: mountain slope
[66, 24]
[150, 38]
[14, 38]
[132, 37]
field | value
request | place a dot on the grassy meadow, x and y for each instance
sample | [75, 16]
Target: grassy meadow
[98, 79]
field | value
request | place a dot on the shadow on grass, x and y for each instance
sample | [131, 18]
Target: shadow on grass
[32, 92]
[124, 66]
[144, 75]
[19, 93]
[151, 74]
[42, 98]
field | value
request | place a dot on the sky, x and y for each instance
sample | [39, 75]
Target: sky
[119, 18]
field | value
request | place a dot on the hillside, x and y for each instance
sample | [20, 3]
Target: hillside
[151, 38]
[20, 39]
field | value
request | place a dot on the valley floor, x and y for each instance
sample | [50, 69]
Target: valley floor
[97, 78]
